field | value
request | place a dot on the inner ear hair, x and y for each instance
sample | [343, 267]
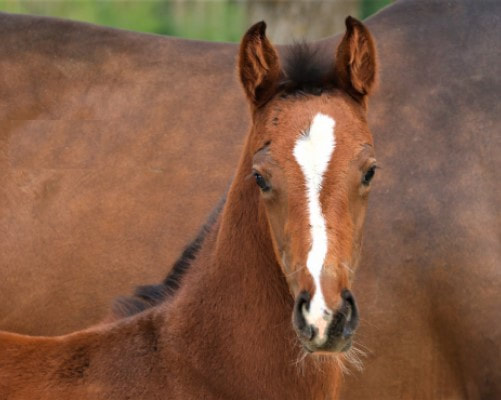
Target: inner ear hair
[356, 65]
[259, 66]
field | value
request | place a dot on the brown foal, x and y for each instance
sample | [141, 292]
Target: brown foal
[283, 248]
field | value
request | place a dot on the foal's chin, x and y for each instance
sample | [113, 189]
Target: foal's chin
[331, 347]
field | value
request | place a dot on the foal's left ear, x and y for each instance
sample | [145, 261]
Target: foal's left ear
[258, 65]
[356, 60]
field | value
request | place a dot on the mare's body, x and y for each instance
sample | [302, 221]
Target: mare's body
[114, 200]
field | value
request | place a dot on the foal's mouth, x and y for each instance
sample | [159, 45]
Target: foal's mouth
[337, 345]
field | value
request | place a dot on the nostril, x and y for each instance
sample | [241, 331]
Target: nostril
[309, 332]
[303, 300]
[351, 312]
[303, 303]
[349, 305]
[346, 295]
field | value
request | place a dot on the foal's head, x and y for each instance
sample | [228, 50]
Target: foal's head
[313, 163]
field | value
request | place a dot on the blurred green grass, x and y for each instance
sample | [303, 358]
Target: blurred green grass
[216, 20]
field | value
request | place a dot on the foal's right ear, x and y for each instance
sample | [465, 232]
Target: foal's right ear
[258, 65]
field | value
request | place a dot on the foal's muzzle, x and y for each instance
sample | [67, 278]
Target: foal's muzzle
[341, 325]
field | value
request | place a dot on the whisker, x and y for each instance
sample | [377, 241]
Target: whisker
[352, 360]
[360, 347]
[295, 272]
[299, 363]
[350, 270]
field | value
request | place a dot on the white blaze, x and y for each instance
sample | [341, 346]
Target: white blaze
[313, 152]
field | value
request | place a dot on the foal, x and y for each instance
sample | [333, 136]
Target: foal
[283, 249]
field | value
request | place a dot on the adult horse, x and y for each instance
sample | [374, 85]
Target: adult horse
[295, 228]
[91, 208]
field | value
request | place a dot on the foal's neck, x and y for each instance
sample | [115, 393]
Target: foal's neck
[234, 311]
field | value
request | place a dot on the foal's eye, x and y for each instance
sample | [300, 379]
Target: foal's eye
[261, 182]
[369, 175]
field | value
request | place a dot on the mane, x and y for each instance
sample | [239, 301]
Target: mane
[306, 70]
[148, 296]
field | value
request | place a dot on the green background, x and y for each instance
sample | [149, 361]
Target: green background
[217, 20]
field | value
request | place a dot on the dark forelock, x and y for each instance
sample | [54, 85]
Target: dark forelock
[307, 69]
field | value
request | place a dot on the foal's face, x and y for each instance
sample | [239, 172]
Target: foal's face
[313, 163]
